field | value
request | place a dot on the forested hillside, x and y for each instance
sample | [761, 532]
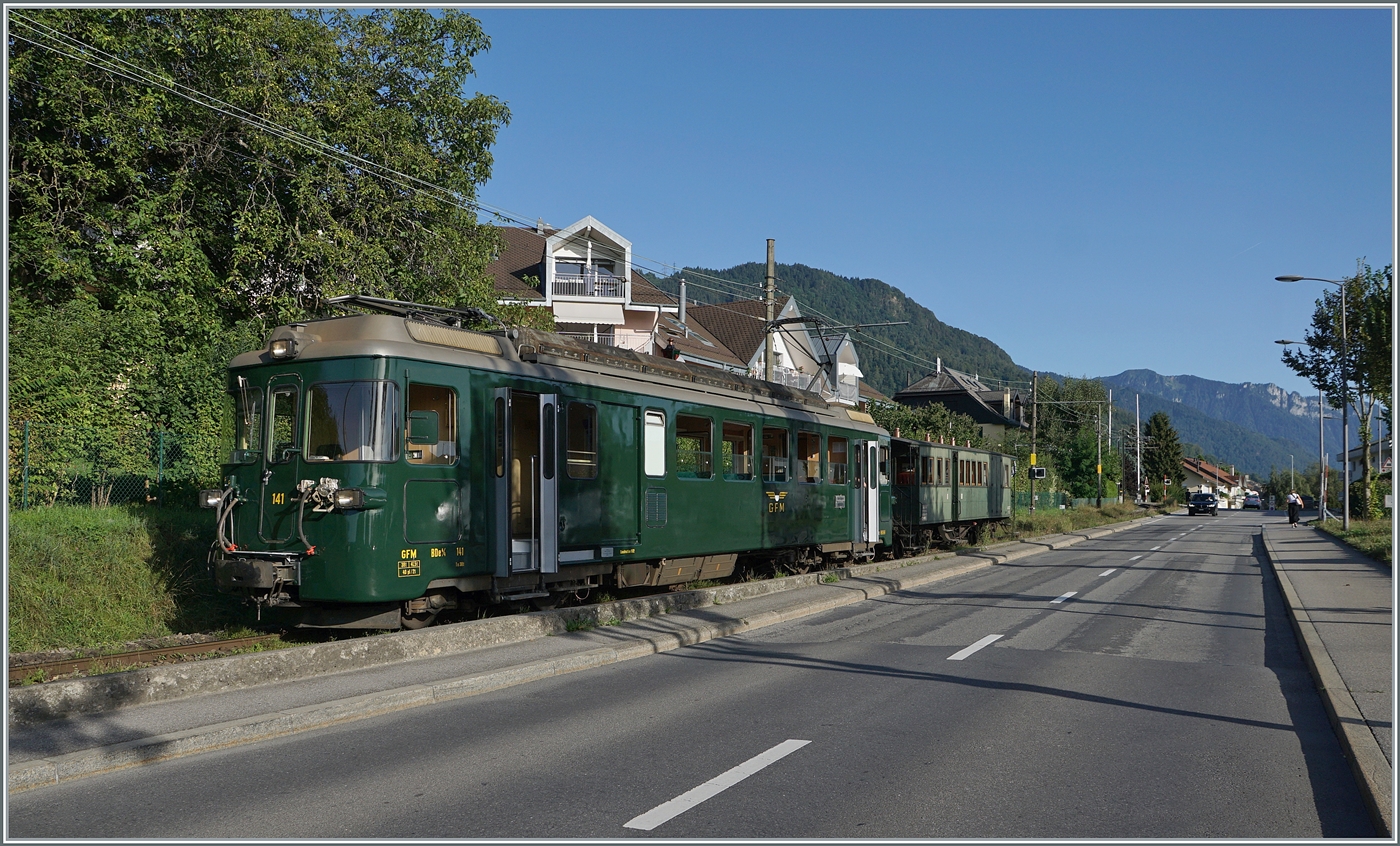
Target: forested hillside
[891, 357]
[1247, 449]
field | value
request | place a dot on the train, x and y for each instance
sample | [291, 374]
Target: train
[389, 463]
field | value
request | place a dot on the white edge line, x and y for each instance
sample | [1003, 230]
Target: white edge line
[963, 653]
[1062, 597]
[1106, 572]
[720, 783]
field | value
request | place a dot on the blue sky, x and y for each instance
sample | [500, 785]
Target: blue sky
[1094, 190]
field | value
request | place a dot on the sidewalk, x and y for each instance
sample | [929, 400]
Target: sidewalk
[1341, 610]
[67, 730]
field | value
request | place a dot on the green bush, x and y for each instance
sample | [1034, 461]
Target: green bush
[83, 577]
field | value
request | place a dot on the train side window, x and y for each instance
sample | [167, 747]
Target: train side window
[582, 455]
[906, 469]
[809, 457]
[884, 466]
[654, 444]
[775, 455]
[694, 446]
[736, 451]
[927, 477]
[982, 473]
[425, 401]
[836, 462]
[284, 423]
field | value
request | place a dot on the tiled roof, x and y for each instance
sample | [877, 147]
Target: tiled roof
[648, 294]
[961, 392]
[523, 256]
[869, 392]
[738, 325]
[1206, 470]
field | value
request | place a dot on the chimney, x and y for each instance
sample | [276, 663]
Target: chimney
[940, 364]
[539, 226]
[683, 305]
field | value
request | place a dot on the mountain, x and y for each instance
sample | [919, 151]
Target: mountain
[891, 357]
[1253, 426]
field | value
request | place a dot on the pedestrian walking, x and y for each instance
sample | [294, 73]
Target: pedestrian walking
[1295, 504]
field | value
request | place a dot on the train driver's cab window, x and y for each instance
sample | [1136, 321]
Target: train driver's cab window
[284, 423]
[431, 436]
[775, 454]
[654, 444]
[247, 423]
[736, 451]
[582, 458]
[694, 446]
[836, 460]
[353, 421]
[809, 457]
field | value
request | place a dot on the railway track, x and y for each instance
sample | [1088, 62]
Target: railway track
[123, 660]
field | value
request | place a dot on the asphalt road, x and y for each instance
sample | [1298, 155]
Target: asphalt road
[1145, 684]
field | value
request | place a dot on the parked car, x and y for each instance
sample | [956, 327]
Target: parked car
[1203, 503]
[1253, 501]
[1309, 502]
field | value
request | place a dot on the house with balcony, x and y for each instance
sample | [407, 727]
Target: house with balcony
[583, 274]
[995, 410]
[823, 364]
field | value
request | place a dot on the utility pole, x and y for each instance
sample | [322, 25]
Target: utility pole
[1098, 438]
[1321, 463]
[1110, 435]
[1137, 423]
[768, 329]
[1035, 383]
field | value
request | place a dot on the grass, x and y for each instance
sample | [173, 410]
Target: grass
[83, 578]
[1056, 521]
[831, 578]
[1371, 537]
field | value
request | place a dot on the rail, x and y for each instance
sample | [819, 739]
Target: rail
[45, 670]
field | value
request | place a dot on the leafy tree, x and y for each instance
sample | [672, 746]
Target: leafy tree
[1071, 434]
[930, 422]
[183, 179]
[1362, 376]
[1161, 453]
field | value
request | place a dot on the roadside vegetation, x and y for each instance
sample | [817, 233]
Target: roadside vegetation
[1371, 537]
[86, 577]
[1050, 521]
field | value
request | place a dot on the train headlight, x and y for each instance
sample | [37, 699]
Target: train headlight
[348, 498]
[210, 499]
[283, 348]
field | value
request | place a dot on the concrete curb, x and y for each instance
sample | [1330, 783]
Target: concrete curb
[1368, 762]
[861, 583]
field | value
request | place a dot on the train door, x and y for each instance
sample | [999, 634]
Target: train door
[867, 490]
[527, 482]
[959, 468]
[281, 461]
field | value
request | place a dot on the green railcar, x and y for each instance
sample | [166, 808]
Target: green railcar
[944, 494]
[387, 466]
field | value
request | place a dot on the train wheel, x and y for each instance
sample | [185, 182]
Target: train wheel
[547, 603]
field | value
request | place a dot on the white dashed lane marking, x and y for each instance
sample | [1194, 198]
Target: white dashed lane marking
[963, 653]
[1136, 557]
[1062, 597]
[1106, 572]
[720, 783]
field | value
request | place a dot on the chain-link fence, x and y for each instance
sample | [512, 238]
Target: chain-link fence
[54, 464]
[1043, 499]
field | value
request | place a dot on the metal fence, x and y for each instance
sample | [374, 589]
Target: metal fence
[1043, 499]
[53, 464]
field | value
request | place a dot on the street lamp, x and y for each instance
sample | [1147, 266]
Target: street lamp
[1321, 451]
[1346, 435]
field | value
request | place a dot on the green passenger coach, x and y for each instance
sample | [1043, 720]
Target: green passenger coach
[386, 466]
